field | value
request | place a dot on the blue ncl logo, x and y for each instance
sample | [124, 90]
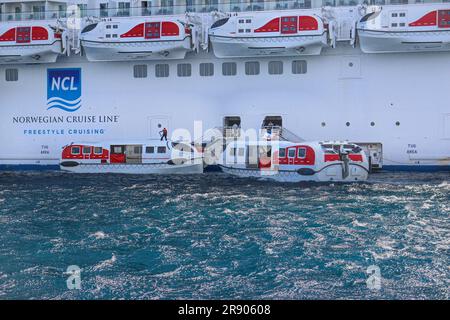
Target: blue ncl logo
[64, 89]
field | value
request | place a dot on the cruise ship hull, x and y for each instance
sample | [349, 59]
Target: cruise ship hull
[398, 101]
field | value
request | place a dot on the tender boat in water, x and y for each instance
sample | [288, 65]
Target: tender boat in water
[294, 162]
[148, 157]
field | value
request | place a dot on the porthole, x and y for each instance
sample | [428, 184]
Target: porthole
[323, 124]
[347, 124]
[350, 64]
[397, 123]
[372, 124]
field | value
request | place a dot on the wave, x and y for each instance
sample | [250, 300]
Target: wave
[66, 105]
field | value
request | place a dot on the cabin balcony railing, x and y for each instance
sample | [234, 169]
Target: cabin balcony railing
[223, 6]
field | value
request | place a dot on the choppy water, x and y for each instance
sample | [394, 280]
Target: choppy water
[213, 236]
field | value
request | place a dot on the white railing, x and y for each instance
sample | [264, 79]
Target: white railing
[224, 6]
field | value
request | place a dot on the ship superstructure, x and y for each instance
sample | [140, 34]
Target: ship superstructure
[371, 73]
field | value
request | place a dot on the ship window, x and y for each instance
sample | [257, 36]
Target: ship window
[206, 69]
[394, 15]
[248, 30]
[402, 24]
[299, 66]
[86, 150]
[115, 26]
[184, 70]
[282, 153]
[241, 20]
[108, 26]
[241, 152]
[402, 14]
[393, 25]
[252, 68]
[75, 150]
[241, 30]
[232, 152]
[114, 35]
[98, 150]
[117, 150]
[161, 70]
[248, 21]
[275, 67]
[150, 150]
[140, 71]
[161, 149]
[12, 74]
[301, 152]
[291, 153]
[108, 36]
[229, 68]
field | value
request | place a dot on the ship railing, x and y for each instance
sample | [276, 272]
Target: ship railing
[8, 12]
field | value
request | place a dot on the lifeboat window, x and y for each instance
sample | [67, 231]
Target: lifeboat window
[161, 70]
[299, 66]
[117, 150]
[275, 67]
[301, 153]
[206, 69]
[184, 70]
[23, 35]
[75, 150]
[11, 74]
[291, 153]
[229, 68]
[282, 153]
[140, 71]
[252, 68]
[161, 149]
[86, 150]
[98, 150]
[150, 150]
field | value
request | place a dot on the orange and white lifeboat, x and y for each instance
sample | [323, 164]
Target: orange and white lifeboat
[412, 28]
[268, 34]
[129, 39]
[30, 43]
[285, 161]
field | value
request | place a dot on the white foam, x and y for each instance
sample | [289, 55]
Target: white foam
[105, 263]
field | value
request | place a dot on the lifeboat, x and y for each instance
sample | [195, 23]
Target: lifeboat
[148, 157]
[405, 29]
[136, 40]
[285, 161]
[266, 34]
[32, 43]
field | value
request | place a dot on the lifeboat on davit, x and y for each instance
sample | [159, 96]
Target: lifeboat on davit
[268, 34]
[405, 29]
[30, 43]
[286, 161]
[136, 40]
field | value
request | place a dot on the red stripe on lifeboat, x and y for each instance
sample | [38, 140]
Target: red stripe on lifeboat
[135, 32]
[335, 157]
[272, 26]
[307, 23]
[430, 19]
[39, 33]
[9, 35]
[169, 29]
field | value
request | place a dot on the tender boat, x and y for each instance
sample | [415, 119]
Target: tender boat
[294, 162]
[406, 29]
[268, 34]
[126, 39]
[148, 157]
[33, 42]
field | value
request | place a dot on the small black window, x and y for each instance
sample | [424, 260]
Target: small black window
[252, 68]
[86, 150]
[301, 152]
[291, 153]
[299, 66]
[98, 150]
[140, 71]
[76, 150]
[11, 74]
[184, 70]
[161, 70]
[161, 149]
[282, 153]
[229, 68]
[150, 150]
[275, 67]
[206, 69]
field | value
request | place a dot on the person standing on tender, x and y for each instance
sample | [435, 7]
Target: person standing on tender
[163, 134]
